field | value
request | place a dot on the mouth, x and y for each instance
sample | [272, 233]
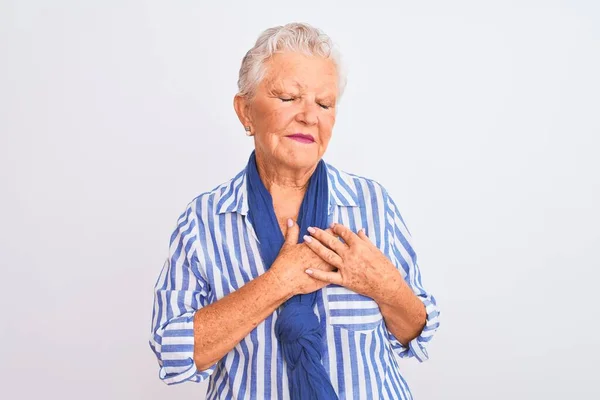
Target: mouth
[302, 138]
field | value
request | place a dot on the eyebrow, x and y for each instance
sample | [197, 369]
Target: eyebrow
[282, 85]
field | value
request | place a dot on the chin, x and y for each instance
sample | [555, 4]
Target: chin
[301, 158]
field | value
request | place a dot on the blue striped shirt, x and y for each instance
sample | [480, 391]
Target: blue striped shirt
[214, 251]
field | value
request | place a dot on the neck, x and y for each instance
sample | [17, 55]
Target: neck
[282, 180]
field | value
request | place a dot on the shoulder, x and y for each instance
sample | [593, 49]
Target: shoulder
[366, 190]
[212, 202]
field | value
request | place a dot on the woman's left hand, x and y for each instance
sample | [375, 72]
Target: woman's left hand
[362, 267]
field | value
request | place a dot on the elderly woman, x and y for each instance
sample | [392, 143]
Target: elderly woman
[294, 279]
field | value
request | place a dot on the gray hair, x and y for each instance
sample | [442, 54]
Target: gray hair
[294, 37]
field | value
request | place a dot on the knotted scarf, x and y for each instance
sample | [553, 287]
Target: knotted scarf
[297, 327]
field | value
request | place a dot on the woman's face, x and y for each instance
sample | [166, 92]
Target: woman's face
[293, 111]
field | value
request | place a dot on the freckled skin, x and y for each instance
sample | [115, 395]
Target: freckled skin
[298, 95]
[363, 268]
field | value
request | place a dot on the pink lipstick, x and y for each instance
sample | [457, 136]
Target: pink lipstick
[302, 138]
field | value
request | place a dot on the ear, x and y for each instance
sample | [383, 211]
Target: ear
[241, 104]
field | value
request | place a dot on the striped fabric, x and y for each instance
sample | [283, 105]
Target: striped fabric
[214, 251]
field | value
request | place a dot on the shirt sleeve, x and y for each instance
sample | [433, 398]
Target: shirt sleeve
[179, 292]
[405, 259]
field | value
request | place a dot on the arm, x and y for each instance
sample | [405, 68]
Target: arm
[192, 331]
[181, 290]
[412, 326]
[409, 312]
[404, 314]
[220, 326]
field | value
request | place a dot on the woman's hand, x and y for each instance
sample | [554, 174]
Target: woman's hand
[294, 258]
[362, 267]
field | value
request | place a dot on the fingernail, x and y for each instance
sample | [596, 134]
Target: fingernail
[307, 239]
[311, 229]
[309, 271]
[290, 223]
[332, 225]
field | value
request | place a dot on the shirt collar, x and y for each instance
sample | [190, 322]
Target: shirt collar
[342, 192]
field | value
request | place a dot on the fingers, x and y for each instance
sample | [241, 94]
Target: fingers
[362, 235]
[325, 276]
[326, 238]
[292, 233]
[349, 237]
[327, 255]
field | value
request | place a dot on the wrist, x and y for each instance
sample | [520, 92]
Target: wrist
[391, 283]
[280, 283]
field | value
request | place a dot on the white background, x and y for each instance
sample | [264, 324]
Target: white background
[480, 117]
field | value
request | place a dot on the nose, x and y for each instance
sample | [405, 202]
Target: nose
[308, 114]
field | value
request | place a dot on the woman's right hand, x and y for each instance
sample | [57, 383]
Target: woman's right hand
[293, 260]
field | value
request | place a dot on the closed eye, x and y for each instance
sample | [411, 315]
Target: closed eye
[285, 100]
[324, 107]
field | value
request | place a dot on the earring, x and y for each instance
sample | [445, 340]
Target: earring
[248, 131]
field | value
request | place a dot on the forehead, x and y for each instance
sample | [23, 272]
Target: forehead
[296, 69]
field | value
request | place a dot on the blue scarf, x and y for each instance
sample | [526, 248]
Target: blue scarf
[297, 327]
